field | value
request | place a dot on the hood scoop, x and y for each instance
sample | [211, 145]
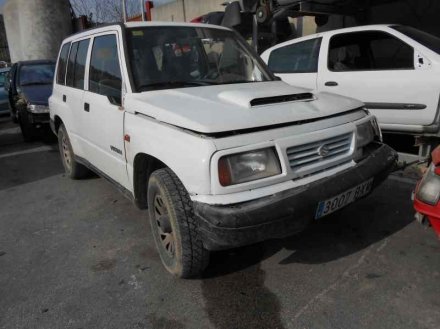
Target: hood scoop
[281, 99]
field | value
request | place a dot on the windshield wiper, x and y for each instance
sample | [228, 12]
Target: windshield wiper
[173, 84]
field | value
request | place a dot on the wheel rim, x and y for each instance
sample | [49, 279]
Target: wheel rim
[66, 153]
[163, 224]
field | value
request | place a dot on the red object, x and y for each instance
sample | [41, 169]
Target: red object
[224, 173]
[431, 212]
[197, 19]
[127, 138]
[148, 6]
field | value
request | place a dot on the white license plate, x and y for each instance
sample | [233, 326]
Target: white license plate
[340, 201]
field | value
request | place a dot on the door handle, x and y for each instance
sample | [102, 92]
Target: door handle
[87, 107]
[64, 98]
[331, 83]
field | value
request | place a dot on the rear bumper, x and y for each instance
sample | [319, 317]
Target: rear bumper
[289, 212]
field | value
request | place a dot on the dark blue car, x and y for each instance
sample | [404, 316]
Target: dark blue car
[29, 88]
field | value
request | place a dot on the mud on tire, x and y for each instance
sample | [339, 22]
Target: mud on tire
[174, 225]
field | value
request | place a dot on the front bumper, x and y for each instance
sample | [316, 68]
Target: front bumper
[431, 212]
[38, 118]
[289, 212]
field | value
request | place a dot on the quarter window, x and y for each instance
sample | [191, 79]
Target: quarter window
[369, 50]
[301, 57]
[62, 64]
[105, 72]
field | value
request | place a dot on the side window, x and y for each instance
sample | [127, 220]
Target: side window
[62, 64]
[105, 72]
[391, 53]
[301, 57]
[80, 64]
[71, 65]
[369, 50]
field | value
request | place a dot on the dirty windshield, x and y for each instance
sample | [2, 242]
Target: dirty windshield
[179, 57]
[37, 74]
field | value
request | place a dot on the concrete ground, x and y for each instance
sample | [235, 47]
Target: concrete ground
[76, 254]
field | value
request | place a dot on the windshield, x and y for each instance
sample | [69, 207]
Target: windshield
[178, 57]
[37, 74]
[425, 39]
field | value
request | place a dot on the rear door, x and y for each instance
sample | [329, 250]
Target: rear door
[102, 113]
[296, 63]
[72, 93]
[379, 69]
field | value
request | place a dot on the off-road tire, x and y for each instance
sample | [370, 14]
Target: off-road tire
[73, 169]
[190, 257]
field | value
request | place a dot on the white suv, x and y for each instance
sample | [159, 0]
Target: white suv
[393, 69]
[188, 122]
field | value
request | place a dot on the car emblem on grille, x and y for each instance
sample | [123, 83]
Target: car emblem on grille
[324, 150]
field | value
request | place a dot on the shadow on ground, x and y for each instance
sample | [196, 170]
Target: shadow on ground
[234, 281]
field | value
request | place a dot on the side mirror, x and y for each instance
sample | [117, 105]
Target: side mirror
[115, 100]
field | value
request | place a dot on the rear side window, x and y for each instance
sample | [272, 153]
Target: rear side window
[105, 72]
[77, 64]
[301, 57]
[80, 64]
[62, 64]
[369, 50]
[71, 65]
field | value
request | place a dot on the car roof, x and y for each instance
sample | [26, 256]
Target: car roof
[112, 27]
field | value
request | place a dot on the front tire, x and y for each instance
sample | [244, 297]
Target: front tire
[73, 169]
[174, 226]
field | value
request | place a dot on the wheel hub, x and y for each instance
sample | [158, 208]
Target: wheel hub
[163, 225]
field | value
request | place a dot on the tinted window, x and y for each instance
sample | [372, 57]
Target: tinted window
[62, 64]
[105, 72]
[37, 74]
[301, 57]
[371, 50]
[71, 64]
[80, 64]
[426, 39]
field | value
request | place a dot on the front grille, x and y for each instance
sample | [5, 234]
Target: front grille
[318, 156]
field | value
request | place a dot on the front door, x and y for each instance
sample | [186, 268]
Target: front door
[379, 69]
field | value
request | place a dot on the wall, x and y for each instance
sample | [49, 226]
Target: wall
[193, 8]
[4, 51]
[35, 29]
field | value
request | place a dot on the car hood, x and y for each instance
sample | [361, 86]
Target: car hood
[223, 108]
[37, 94]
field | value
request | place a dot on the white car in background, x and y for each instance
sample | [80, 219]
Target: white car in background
[393, 69]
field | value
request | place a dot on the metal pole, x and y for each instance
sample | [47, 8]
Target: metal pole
[184, 10]
[124, 11]
[143, 10]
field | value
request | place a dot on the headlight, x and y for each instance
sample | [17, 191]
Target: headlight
[429, 188]
[38, 108]
[367, 132]
[248, 166]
